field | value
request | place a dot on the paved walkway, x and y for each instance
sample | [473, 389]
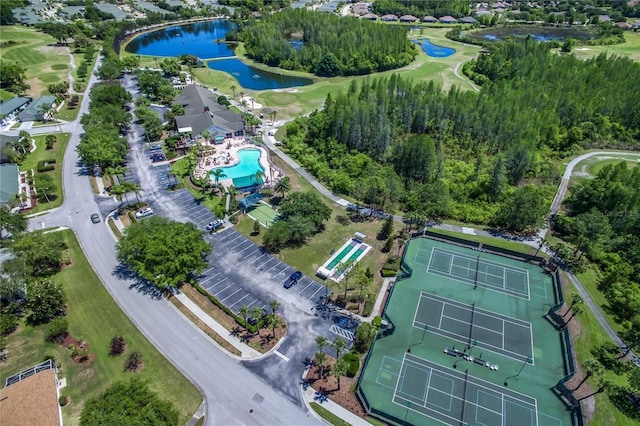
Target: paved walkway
[346, 415]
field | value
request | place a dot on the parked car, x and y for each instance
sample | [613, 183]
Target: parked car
[253, 321]
[95, 218]
[293, 279]
[215, 225]
[147, 211]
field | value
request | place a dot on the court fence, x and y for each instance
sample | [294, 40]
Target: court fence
[446, 238]
[512, 253]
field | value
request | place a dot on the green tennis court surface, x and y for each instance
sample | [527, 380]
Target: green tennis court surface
[263, 214]
[475, 326]
[477, 271]
[454, 397]
[465, 322]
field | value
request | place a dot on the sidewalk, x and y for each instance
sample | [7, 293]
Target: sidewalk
[310, 396]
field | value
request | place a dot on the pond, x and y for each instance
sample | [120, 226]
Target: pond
[542, 34]
[434, 50]
[201, 39]
[257, 79]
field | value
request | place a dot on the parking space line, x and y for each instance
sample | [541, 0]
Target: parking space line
[302, 291]
[208, 278]
[251, 304]
[313, 295]
[222, 301]
[277, 264]
[239, 300]
[268, 260]
[255, 249]
[250, 246]
[217, 293]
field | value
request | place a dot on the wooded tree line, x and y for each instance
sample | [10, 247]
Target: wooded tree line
[420, 8]
[330, 45]
[462, 154]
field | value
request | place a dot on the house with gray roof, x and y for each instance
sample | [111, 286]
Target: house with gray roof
[469, 20]
[202, 112]
[71, 12]
[34, 111]
[10, 109]
[9, 183]
[117, 13]
[429, 19]
[448, 20]
[149, 7]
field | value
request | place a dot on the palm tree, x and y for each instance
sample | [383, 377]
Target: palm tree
[577, 310]
[591, 367]
[244, 313]
[116, 172]
[339, 345]
[576, 301]
[401, 242]
[339, 369]
[135, 188]
[45, 110]
[543, 241]
[322, 342]
[257, 313]
[320, 358]
[274, 305]
[233, 90]
[274, 113]
[283, 185]
[217, 174]
[274, 322]
[258, 176]
[118, 191]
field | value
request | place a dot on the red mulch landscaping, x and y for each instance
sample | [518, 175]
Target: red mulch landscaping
[264, 338]
[84, 357]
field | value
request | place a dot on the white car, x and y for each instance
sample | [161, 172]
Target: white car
[214, 225]
[144, 212]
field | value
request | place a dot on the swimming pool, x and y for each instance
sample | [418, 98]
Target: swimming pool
[243, 174]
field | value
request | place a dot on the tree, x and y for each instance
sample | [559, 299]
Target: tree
[258, 176]
[12, 223]
[568, 45]
[163, 252]
[387, 229]
[591, 367]
[498, 180]
[522, 210]
[274, 321]
[283, 185]
[257, 313]
[133, 362]
[110, 70]
[233, 90]
[256, 227]
[50, 141]
[46, 110]
[339, 345]
[590, 229]
[339, 369]
[365, 333]
[631, 334]
[274, 305]
[321, 343]
[243, 311]
[217, 174]
[41, 253]
[306, 204]
[576, 310]
[12, 77]
[170, 67]
[320, 360]
[130, 402]
[576, 300]
[45, 186]
[45, 301]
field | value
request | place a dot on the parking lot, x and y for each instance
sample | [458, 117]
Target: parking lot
[231, 286]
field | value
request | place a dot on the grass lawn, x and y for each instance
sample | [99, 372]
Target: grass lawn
[328, 415]
[630, 48]
[69, 114]
[40, 154]
[94, 317]
[589, 280]
[44, 62]
[498, 242]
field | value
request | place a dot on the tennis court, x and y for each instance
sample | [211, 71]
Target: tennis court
[263, 213]
[474, 326]
[454, 397]
[476, 271]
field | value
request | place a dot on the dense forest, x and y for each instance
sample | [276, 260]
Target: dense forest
[420, 8]
[465, 155]
[326, 44]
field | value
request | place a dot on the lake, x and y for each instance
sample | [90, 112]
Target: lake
[434, 50]
[206, 41]
[542, 34]
[257, 79]
[201, 39]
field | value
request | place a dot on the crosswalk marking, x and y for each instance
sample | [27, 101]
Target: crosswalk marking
[342, 332]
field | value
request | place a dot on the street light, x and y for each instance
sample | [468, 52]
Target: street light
[526, 361]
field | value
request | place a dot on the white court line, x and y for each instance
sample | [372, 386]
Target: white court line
[281, 356]
[441, 315]
[430, 257]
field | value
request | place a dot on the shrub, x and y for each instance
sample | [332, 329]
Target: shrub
[212, 299]
[364, 337]
[63, 400]
[368, 307]
[49, 357]
[117, 346]
[386, 273]
[46, 165]
[377, 322]
[8, 324]
[354, 364]
[133, 362]
[58, 330]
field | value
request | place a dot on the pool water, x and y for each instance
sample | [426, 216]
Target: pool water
[434, 50]
[243, 174]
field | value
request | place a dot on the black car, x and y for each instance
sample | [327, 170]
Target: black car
[293, 279]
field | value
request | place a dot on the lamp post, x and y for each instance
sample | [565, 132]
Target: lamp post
[526, 361]
[424, 331]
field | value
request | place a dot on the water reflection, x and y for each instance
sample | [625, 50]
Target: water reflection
[257, 79]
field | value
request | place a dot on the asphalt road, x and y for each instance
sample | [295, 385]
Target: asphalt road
[233, 395]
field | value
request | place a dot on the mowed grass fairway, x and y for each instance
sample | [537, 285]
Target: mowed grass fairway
[45, 63]
[630, 48]
[293, 102]
[94, 317]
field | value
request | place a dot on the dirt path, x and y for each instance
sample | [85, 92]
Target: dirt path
[72, 62]
[466, 80]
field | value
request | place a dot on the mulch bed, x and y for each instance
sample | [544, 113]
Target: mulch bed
[85, 357]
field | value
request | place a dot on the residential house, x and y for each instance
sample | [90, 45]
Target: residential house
[361, 8]
[635, 25]
[203, 113]
[10, 109]
[624, 25]
[370, 16]
[31, 397]
[408, 18]
[604, 18]
[389, 18]
[468, 20]
[429, 19]
[448, 20]
[9, 184]
[35, 110]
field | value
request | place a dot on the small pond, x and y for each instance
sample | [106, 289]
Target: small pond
[542, 34]
[257, 79]
[434, 50]
[202, 39]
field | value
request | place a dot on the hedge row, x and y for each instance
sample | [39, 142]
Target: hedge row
[354, 364]
[46, 165]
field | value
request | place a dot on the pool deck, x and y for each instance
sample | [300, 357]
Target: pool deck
[226, 155]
